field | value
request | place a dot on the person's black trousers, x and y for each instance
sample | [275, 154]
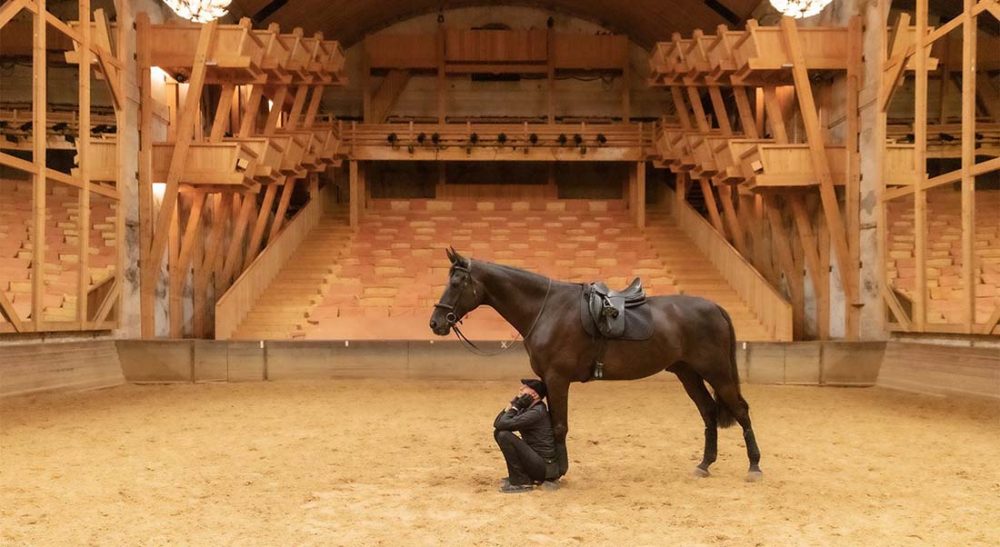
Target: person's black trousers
[524, 465]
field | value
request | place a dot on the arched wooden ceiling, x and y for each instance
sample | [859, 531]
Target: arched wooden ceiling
[645, 21]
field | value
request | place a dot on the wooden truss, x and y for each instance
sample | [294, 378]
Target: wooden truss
[96, 303]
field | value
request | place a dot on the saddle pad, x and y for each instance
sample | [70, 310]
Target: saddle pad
[638, 322]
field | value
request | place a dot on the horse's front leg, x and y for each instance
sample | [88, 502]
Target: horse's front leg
[558, 409]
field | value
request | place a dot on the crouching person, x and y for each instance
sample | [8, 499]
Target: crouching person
[531, 458]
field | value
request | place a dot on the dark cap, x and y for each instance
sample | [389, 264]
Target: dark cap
[537, 385]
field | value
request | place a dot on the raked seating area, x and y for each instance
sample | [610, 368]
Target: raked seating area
[944, 256]
[62, 247]
[382, 281]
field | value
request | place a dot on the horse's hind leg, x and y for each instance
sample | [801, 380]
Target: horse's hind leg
[729, 395]
[696, 389]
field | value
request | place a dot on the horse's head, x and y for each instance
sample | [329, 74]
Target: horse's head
[462, 295]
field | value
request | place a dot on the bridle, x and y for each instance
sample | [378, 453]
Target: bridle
[454, 321]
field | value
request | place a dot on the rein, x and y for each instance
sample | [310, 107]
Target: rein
[469, 344]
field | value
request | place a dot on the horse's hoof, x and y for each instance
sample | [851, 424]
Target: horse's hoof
[754, 476]
[700, 473]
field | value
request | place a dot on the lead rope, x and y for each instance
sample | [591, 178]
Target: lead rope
[472, 347]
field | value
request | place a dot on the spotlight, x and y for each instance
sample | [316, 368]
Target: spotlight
[601, 138]
[562, 139]
[61, 126]
[550, 22]
[577, 139]
[392, 139]
[421, 137]
[435, 138]
[533, 138]
[502, 138]
[474, 138]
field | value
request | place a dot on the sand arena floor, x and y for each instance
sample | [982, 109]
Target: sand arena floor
[413, 463]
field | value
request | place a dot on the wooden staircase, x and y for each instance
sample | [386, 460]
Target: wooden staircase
[282, 310]
[693, 274]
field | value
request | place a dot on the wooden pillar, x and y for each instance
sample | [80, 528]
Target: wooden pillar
[969, 54]
[83, 146]
[354, 200]
[920, 165]
[148, 273]
[39, 105]
[640, 194]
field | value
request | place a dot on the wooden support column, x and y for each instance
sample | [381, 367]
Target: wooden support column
[354, 200]
[220, 213]
[39, 106]
[775, 119]
[236, 242]
[83, 147]
[969, 55]
[442, 80]
[147, 272]
[746, 113]
[700, 119]
[920, 165]
[174, 308]
[819, 278]
[640, 194]
[852, 191]
[257, 236]
[680, 107]
[721, 113]
[712, 206]
[781, 244]
[817, 150]
[738, 236]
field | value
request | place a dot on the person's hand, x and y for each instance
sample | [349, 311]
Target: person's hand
[522, 401]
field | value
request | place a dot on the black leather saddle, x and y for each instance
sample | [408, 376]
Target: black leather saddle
[616, 315]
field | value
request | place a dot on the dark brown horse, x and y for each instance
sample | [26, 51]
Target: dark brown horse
[693, 338]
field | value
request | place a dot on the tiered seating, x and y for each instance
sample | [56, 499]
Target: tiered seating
[383, 282]
[62, 247]
[944, 255]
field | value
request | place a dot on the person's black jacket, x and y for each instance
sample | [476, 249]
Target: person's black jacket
[534, 425]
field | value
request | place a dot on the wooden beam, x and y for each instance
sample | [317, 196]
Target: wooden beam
[257, 235]
[895, 307]
[920, 167]
[969, 56]
[9, 10]
[354, 197]
[10, 313]
[83, 160]
[185, 131]
[680, 107]
[979, 169]
[782, 246]
[175, 309]
[807, 239]
[817, 149]
[738, 236]
[249, 122]
[991, 323]
[747, 123]
[852, 190]
[287, 190]
[39, 107]
[898, 58]
[314, 103]
[775, 119]
[274, 115]
[222, 110]
[148, 274]
[700, 119]
[236, 240]
[721, 113]
[710, 204]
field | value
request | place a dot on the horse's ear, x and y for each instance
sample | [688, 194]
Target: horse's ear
[450, 251]
[459, 259]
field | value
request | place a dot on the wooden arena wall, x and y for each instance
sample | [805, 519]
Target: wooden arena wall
[59, 366]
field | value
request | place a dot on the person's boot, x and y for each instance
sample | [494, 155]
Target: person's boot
[516, 488]
[505, 482]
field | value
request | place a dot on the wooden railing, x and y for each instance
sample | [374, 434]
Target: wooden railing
[772, 309]
[233, 307]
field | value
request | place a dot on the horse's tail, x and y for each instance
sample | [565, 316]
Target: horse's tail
[724, 415]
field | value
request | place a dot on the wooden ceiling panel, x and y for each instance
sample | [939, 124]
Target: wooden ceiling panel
[645, 21]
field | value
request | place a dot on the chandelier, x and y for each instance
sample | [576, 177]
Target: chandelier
[199, 11]
[800, 8]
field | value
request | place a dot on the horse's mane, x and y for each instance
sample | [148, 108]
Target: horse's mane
[520, 271]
